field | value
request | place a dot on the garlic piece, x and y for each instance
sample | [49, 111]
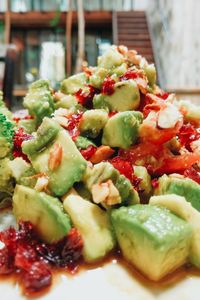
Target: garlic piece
[62, 121]
[195, 146]
[114, 196]
[106, 192]
[100, 192]
[169, 116]
[42, 183]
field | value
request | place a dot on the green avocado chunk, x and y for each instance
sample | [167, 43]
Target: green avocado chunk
[192, 111]
[180, 186]
[72, 84]
[70, 169]
[39, 100]
[92, 122]
[46, 133]
[67, 101]
[126, 96]
[29, 126]
[150, 72]
[145, 185]
[97, 78]
[94, 226]
[152, 238]
[43, 211]
[110, 59]
[22, 172]
[121, 130]
[104, 171]
[184, 210]
[83, 143]
[6, 182]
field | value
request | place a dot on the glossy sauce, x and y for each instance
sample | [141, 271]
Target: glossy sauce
[113, 258]
[168, 281]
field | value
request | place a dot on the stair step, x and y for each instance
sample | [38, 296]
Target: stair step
[130, 26]
[131, 13]
[132, 31]
[136, 36]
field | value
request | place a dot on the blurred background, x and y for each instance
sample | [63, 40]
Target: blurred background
[51, 39]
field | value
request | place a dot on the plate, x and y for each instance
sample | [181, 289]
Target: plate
[111, 280]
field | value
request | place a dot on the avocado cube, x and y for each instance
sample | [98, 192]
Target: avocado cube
[71, 163]
[145, 185]
[39, 100]
[126, 96]
[110, 59]
[83, 142]
[72, 84]
[67, 101]
[71, 168]
[150, 72]
[151, 238]
[43, 211]
[94, 226]
[184, 210]
[92, 122]
[180, 186]
[97, 78]
[191, 110]
[104, 171]
[46, 133]
[121, 130]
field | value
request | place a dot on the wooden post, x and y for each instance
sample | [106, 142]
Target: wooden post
[7, 23]
[81, 37]
[69, 16]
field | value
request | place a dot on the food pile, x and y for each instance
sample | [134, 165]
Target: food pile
[109, 162]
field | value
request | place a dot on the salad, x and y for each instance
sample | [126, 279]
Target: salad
[108, 163]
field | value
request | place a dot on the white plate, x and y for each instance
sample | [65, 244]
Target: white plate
[111, 281]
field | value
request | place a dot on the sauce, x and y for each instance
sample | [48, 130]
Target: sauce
[113, 258]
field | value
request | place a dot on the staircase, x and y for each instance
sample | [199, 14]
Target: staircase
[131, 29]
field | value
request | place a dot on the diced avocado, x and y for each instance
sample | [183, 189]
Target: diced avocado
[94, 226]
[191, 111]
[145, 185]
[70, 169]
[110, 59]
[83, 142]
[72, 84]
[43, 211]
[18, 167]
[6, 182]
[39, 100]
[184, 210]
[46, 133]
[120, 70]
[150, 72]
[104, 171]
[126, 96]
[152, 238]
[5, 147]
[67, 101]
[22, 172]
[92, 122]
[29, 126]
[97, 78]
[121, 130]
[183, 187]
